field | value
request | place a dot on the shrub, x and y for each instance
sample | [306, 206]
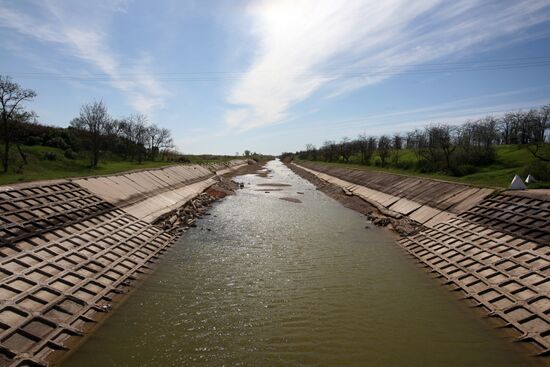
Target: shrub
[51, 156]
[538, 169]
[463, 170]
[70, 154]
[33, 140]
[19, 169]
[57, 142]
[404, 165]
[426, 167]
[183, 159]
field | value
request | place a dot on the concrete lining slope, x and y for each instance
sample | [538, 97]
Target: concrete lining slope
[151, 193]
[498, 254]
[426, 201]
[495, 249]
[69, 250]
[66, 257]
[440, 195]
[518, 215]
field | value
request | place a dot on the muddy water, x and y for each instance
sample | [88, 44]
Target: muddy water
[265, 281]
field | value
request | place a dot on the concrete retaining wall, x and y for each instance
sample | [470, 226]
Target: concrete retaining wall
[69, 250]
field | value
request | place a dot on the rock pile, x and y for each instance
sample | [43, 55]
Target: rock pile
[223, 188]
[404, 226]
[378, 220]
[178, 221]
[181, 219]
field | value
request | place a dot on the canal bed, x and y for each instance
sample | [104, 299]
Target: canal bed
[300, 281]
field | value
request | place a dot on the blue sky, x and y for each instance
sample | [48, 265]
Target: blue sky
[271, 76]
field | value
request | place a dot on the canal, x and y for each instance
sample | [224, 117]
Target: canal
[280, 274]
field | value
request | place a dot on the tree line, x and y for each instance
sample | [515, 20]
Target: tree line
[133, 137]
[94, 131]
[452, 149]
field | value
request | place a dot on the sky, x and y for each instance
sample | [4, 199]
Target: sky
[274, 75]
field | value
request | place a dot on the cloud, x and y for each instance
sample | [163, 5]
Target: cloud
[77, 29]
[406, 120]
[337, 46]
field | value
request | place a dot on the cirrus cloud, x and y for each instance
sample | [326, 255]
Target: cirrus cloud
[337, 46]
[78, 30]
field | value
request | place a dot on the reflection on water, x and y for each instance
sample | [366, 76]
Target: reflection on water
[264, 281]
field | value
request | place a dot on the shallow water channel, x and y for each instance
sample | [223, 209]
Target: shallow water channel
[264, 281]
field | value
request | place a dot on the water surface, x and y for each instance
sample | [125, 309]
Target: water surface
[271, 282]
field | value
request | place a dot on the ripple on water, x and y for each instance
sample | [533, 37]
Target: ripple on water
[280, 284]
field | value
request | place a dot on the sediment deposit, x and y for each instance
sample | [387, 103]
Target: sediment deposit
[493, 247]
[70, 250]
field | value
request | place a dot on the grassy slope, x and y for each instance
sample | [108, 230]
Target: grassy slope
[511, 160]
[39, 168]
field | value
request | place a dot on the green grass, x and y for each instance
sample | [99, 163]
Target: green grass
[511, 160]
[198, 159]
[39, 168]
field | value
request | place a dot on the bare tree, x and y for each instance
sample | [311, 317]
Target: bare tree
[539, 148]
[311, 152]
[329, 150]
[416, 141]
[397, 145]
[94, 123]
[157, 139]
[372, 143]
[541, 124]
[345, 149]
[164, 140]
[126, 133]
[21, 118]
[384, 148]
[446, 142]
[362, 146]
[505, 127]
[140, 134]
[12, 96]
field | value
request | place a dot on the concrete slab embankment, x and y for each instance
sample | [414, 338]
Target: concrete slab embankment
[153, 193]
[426, 201]
[69, 250]
[498, 254]
[495, 249]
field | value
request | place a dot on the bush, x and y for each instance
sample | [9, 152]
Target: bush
[51, 156]
[183, 159]
[19, 169]
[33, 140]
[70, 154]
[538, 169]
[404, 165]
[463, 170]
[57, 142]
[426, 167]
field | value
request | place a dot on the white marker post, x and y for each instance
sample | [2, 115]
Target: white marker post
[517, 184]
